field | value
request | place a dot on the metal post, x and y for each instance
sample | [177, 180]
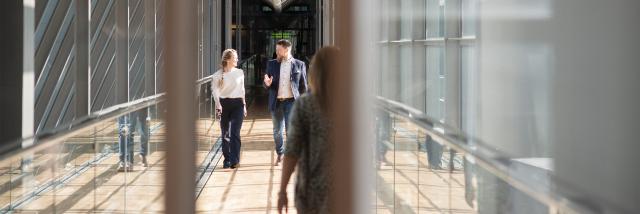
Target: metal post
[181, 66]
[11, 19]
[199, 38]
[452, 64]
[208, 19]
[28, 75]
[227, 23]
[328, 22]
[319, 17]
[149, 47]
[28, 90]
[239, 28]
[217, 35]
[82, 100]
[452, 73]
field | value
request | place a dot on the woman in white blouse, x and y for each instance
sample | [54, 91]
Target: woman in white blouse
[229, 95]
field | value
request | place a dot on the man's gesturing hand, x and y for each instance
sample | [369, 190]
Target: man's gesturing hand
[268, 80]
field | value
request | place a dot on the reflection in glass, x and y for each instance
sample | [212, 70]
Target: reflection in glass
[406, 166]
[82, 173]
[385, 135]
[435, 82]
[435, 18]
[469, 15]
[393, 73]
[469, 76]
[406, 72]
[406, 18]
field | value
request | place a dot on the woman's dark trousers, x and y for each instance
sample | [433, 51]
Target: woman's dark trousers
[230, 124]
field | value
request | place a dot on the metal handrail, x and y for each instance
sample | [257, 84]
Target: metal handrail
[204, 80]
[496, 162]
[59, 134]
[246, 60]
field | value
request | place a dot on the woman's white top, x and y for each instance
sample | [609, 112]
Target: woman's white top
[227, 85]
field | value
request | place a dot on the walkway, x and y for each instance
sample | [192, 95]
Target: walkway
[404, 184]
[254, 186]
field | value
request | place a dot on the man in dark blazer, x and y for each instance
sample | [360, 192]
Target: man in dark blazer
[286, 80]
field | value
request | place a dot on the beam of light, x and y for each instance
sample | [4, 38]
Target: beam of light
[279, 4]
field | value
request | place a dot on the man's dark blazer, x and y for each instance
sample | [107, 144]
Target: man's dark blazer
[298, 80]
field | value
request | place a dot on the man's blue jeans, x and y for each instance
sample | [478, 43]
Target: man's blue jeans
[280, 119]
[132, 121]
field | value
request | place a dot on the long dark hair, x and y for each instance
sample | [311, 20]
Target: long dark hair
[321, 70]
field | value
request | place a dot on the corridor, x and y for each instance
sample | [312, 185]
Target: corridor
[430, 106]
[253, 187]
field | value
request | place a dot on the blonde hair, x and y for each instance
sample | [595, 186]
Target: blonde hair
[321, 70]
[227, 55]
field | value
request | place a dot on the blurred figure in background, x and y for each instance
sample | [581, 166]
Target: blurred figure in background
[434, 152]
[127, 125]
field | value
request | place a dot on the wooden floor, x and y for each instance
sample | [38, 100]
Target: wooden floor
[252, 188]
[403, 185]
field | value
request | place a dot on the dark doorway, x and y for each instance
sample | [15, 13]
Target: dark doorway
[262, 25]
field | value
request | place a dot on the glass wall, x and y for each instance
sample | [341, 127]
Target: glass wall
[480, 95]
[98, 143]
[421, 43]
[427, 64]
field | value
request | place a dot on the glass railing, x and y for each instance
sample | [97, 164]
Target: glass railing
[90, 165]
[111, 161]
[424, 166]
[250, 66]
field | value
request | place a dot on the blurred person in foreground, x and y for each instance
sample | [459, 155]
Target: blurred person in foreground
[308, 147]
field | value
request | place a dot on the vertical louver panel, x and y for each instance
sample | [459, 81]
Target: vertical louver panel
[103, 55]
[160, 86]
[55, 57]
[136, 49]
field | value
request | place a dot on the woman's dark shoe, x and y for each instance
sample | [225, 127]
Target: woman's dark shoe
[226, 165]
[236, 165]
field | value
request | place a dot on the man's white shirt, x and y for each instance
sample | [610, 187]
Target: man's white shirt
[284, 86]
